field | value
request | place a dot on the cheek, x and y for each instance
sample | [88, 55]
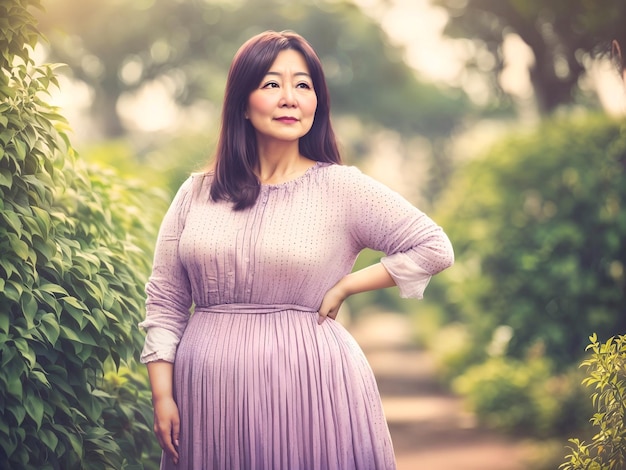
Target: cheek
[257, 104]
[310, 106]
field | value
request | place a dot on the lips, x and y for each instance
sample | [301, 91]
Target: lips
[287, 120]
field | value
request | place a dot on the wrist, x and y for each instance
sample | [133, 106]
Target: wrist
[161, 397]
[343, 287]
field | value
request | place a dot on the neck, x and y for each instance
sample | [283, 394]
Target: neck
[280, 163]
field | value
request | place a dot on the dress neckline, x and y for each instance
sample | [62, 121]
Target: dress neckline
[295, 180]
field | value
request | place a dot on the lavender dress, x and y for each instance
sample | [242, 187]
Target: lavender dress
[259, 384]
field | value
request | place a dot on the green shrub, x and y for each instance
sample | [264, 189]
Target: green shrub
[72, 270]
[607, 375]
[539, 229]
[522, 397]
[499, 392]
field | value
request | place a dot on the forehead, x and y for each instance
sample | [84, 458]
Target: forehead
[289, 60]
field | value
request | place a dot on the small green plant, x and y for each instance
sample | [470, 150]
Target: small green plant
[523, 397]
[501, 392]
[607, 375]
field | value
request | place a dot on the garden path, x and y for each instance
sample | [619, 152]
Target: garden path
[428, 425]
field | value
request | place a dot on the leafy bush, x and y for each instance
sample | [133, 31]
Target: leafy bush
[522, 396]
[607, 375]
[539, 229]
[72, 270]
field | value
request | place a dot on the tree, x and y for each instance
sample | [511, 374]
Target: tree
[72, 269]
[562, 35]
[116, 47]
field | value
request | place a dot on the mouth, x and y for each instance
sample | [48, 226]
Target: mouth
[287, 119]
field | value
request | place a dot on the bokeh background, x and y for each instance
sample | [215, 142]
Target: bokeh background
[502, 119]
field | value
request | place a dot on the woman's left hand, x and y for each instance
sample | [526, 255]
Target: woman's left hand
[331, 303]
[371, 278]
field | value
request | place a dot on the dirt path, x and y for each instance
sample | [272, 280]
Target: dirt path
[429, 428]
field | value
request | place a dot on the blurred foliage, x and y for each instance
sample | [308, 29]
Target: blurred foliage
[606, 370]
[159, 172]
[524, 396]
[116, 47]
[128, 415]
[563, 35]
[539, 228]
[73, 261]
[183, 49]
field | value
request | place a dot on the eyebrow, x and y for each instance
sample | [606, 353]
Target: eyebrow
[278, 74]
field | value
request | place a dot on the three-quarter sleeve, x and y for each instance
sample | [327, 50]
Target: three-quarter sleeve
[416, 248]
[168, 290]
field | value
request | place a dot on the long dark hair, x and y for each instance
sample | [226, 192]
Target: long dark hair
[236, 155]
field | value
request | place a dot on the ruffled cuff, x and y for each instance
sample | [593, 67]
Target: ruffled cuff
[410, 278]
[160, 345]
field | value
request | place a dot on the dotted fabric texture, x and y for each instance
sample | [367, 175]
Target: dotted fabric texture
[259, 384]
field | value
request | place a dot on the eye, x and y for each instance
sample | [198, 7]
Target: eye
[270, 85]
[304, 85]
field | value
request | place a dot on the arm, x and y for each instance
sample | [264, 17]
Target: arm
[166, 418]
[416, 248]
[167, 310]
[168, 291]
[371, 278]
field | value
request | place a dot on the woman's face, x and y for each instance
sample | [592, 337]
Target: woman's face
[283, 106]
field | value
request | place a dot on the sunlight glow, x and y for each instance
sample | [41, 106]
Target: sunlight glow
[151, 108]
[609, 85]
[518, 58]
[417, 26]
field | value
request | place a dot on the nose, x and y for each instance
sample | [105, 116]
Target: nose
[288, 98]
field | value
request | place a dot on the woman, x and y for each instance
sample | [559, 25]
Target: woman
[260, 376]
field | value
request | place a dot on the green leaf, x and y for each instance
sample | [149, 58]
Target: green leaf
[6, 178]
[43, 217]
[53, 289]
[19, 247]
[68, 333]
[46, 249]
[26, 351]
[76, 443]
[74, 302]
[14, 387]
[18, 411]
[40, 377]
[13, 221]
[49, 325]
[4, 316]
[13, 290]
[49, 438]
[29, 308]
[20, 149]
[34, 408]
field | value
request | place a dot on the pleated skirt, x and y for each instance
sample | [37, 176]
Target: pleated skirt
[276, 391]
